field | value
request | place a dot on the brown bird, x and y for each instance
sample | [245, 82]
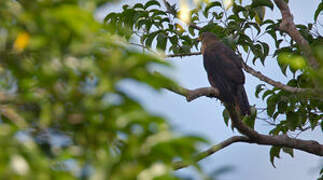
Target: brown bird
[224, 70]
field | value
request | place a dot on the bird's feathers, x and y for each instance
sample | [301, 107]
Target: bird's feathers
[224, 71]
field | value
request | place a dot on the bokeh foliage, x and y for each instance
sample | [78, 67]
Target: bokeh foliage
[63, 112]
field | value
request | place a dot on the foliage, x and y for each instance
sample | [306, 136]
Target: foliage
[63, 114]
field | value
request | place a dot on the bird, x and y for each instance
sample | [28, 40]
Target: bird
[224, 71]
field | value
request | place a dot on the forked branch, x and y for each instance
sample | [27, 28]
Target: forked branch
[252, 136]
[287, 25]
[212, 150]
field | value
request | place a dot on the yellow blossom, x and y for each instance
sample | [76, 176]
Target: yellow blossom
[21, 41]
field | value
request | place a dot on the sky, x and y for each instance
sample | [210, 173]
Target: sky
[204, 116]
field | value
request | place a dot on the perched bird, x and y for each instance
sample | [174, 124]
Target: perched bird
[224, 70]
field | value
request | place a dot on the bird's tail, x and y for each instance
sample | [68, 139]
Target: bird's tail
[242, 101]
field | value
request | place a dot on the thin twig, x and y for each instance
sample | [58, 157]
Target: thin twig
[212, 150]
[264, 78]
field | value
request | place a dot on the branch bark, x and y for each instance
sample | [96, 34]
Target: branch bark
[277, 84]
[212, 150]
[264, 78]
[309, 146]
[190, 95]
[288, 26]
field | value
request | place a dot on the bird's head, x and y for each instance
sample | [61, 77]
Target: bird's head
[207, 38]
[207, 35]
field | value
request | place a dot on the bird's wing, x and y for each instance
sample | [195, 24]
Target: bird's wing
[220, 60]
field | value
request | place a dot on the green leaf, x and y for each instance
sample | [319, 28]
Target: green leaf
[174, 40]
[162, 41]
[151, 3]
[293, 60]
[125, 7]
[209, 6]
[256, 26]
[274, 152]
[254, 112]
[236, 9]
[266, 93]
[257, 3]
[191, 30]
[260, 14]
[289, 151]
[271, 104]
[282, 107]
[314, 119]
[292, 119]
[265, 47]
[249, 121]
[138, 6]
[226, 116]
[276, 130]
[276, 114]
[318, 11]
[157, 12]
[150, 38]
[259, 88]
[111, 16]
[258, 52]
[283, 68]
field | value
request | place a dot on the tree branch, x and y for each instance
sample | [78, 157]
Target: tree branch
[288, 26]
[309, 146]
[195, 26]
[212, 150]
[277, 84]
[196, 93]
[186, 54]
[264, 78]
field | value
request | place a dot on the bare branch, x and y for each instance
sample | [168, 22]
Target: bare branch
[212, 150]
[288, 26]
[195, 26]
[185, 54]
[309, 146]
[277, 84]
[196, 93]
[264, 78]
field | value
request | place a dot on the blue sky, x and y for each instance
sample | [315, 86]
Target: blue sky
[204, 115]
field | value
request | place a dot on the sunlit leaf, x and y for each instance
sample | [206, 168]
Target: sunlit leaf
[274, 152]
